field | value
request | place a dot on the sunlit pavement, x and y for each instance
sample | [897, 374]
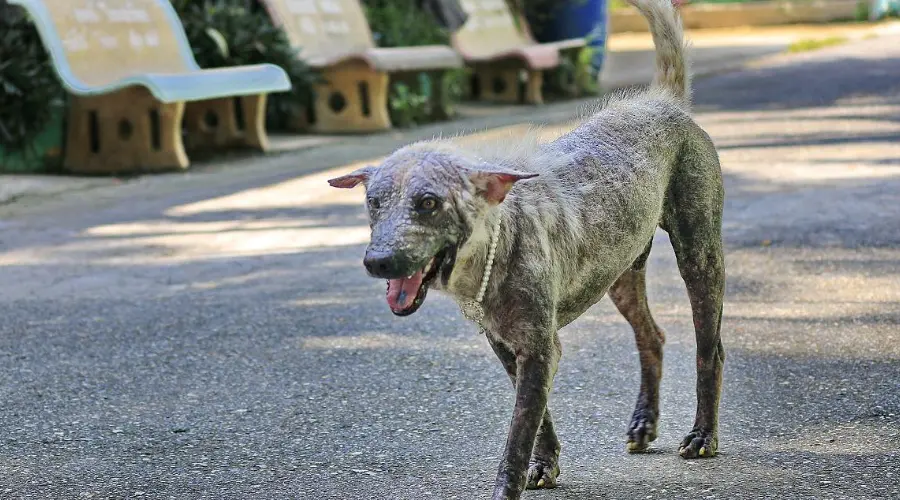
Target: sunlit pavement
[214, 335]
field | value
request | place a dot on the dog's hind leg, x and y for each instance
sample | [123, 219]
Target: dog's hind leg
[693, 219]
[543, 468]
[629, 294]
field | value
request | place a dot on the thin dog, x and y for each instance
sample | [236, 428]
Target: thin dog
[527, 236]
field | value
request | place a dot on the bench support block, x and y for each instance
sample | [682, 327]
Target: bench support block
[353, 99]
[227, 122]
[500, 83]
[124, 131]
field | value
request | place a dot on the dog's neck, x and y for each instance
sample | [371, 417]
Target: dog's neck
[474, 260]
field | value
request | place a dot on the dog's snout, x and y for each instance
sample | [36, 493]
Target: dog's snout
[383, 264]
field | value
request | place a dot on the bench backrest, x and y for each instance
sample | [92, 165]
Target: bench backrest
[96, 43]
[323, 29]
[491, 29]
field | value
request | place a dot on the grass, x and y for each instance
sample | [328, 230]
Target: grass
[815, 44]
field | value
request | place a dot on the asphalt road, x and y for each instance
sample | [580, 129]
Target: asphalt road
[213, 335]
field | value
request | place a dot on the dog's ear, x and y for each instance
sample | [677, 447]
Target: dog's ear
[352, 179]
[493, 185]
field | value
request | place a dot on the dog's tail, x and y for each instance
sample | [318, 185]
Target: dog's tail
[672, 72]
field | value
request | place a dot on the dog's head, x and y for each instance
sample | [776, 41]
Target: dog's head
[423, 203]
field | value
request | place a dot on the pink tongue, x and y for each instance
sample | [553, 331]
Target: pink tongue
[402, 292]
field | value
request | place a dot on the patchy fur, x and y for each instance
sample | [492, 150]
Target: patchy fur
[580, 228]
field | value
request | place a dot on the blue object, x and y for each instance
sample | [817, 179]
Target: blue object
[883, 8]
[580, 19]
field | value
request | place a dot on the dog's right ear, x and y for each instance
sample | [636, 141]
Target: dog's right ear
[352, 179]
[494, 185]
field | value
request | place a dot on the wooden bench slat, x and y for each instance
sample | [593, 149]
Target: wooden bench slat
[334, 37]
[428, 57]
[395, 59]
[489, 32]
[535, 57]
[324, 30]
[150, 48]
[207, 84]
[136, 87]
[500, 51]
[573, 43]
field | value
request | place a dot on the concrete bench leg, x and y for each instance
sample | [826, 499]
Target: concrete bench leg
[441, 106]
[533, 86]
[500, 83]
[227, 122]
[125, 131]
[353, 99]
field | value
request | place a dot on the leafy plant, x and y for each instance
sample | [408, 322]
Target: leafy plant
[30, 93]
[401, 23]
[407, 106]
[807, 45]
[861, 13]
[239, 32]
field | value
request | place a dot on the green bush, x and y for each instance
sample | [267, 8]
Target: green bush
[407, 108]
[238, 32]
[30, 93]
[401, 23]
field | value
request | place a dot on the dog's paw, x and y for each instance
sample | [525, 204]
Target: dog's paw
[699, 444]
[542, 475]
[642, 430]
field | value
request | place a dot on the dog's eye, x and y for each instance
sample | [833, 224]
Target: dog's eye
[374, 203]
[427, 204]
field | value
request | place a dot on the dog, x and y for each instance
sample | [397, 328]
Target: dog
[527, 236]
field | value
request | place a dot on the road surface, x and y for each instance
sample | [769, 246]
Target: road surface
[213, 335]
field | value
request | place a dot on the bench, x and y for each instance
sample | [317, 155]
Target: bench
[334, 37]
[500, 53]
[134, 84]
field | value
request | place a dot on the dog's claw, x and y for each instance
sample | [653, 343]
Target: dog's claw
[698, 444]
[635, 447]
[541, 475]
[642, 430]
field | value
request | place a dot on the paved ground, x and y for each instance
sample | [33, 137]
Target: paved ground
[213, 335]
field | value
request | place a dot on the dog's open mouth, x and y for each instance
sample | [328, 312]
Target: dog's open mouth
[405, 295]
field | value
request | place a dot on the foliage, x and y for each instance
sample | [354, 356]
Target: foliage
[862, 11]
[414, 97]
[239, 32]
[407, 107]
[815, 44]
[401, 23]
[30, 93]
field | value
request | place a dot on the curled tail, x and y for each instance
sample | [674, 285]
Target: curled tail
[668, 37]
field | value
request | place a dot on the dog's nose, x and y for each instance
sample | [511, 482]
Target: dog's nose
[383, 264]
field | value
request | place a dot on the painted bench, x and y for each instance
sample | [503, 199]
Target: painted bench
[334, 37]
[502, 51]
[135, 86]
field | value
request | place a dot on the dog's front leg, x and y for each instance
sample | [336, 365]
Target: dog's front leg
[543, 468]
[536, 365]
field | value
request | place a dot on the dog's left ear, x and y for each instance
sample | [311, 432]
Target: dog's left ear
[494, 185]
[352, 179]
